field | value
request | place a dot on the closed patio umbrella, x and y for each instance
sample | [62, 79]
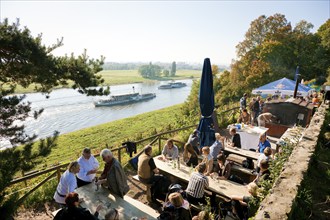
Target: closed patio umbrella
[206, 103]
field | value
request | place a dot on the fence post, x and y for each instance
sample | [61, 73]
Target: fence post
[119, 155]
[25, 183]
[58, 174]
[159, 143]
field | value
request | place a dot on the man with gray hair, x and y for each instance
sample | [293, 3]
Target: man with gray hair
[113, 174]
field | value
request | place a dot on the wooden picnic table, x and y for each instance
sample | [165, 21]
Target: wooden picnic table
[222, 187]
[127, 207]
[242, 152]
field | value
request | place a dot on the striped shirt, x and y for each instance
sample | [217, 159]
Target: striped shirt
[197, 183]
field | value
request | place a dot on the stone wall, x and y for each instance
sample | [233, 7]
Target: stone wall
[278, 203]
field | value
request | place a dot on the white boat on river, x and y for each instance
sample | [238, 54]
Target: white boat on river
[124, 99]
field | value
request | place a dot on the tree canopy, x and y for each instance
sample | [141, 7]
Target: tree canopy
[271, 49]
[25, 61]
[150, 71]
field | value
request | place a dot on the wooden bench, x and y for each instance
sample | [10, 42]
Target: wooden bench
[247, 172]
[148, 187]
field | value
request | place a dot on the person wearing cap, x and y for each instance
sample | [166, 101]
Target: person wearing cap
[177, 207]
[197, 184]
[88, 167]
[113, 174]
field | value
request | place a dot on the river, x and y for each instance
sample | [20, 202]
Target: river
[67, 110]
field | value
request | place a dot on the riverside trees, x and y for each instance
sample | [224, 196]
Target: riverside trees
[24, 61]
[272, 49]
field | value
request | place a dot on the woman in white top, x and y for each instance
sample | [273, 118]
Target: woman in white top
[88, 167]
[68, 183]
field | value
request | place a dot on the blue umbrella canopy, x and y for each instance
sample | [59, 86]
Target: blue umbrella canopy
[282, 86]
[206, 104]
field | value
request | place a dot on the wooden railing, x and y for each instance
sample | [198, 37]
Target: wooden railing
[55, 171]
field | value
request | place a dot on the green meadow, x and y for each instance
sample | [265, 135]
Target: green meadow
[70, 145]
[115, 77]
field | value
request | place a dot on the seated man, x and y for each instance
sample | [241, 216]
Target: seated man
[264, 173]
[266, 155]
[113, 174]
[236, 138]
[146, 166]
[217, 146]
[263, 143]
[170, 151]
[88, 167]
[196, 186]
[266, 117]
[194, 141]
[244, 117]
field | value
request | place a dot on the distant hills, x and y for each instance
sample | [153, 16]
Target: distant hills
[136, 65]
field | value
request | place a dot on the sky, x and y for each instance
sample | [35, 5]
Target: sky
[151, 31]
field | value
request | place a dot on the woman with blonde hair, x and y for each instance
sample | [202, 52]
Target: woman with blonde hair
[68, 183]
[208, 160]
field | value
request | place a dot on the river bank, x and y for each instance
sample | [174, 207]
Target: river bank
[113, 133]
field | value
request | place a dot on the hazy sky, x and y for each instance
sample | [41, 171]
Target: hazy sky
[146, 31]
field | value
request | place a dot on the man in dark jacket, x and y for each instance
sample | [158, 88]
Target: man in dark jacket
[113, 174]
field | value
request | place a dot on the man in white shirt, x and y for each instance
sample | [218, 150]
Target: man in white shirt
[170, 151]
[88, 167]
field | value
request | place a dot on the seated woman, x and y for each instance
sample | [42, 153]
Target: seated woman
[208, 160]
[240, 203]
[224, 167]
[177, 207]
[190, 156]
[73, 211]
[224, 170]
[244, 117]
[236, 138]
[197, 185]
[67, 184]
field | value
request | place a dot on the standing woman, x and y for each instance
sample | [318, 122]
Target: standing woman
[68, 183]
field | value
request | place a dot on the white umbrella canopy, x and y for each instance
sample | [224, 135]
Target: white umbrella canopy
[282, 86]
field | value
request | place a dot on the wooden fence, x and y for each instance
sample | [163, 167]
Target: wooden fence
[56, 171]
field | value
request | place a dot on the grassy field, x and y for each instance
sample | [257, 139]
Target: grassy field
[115, 77]
[70, 145]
